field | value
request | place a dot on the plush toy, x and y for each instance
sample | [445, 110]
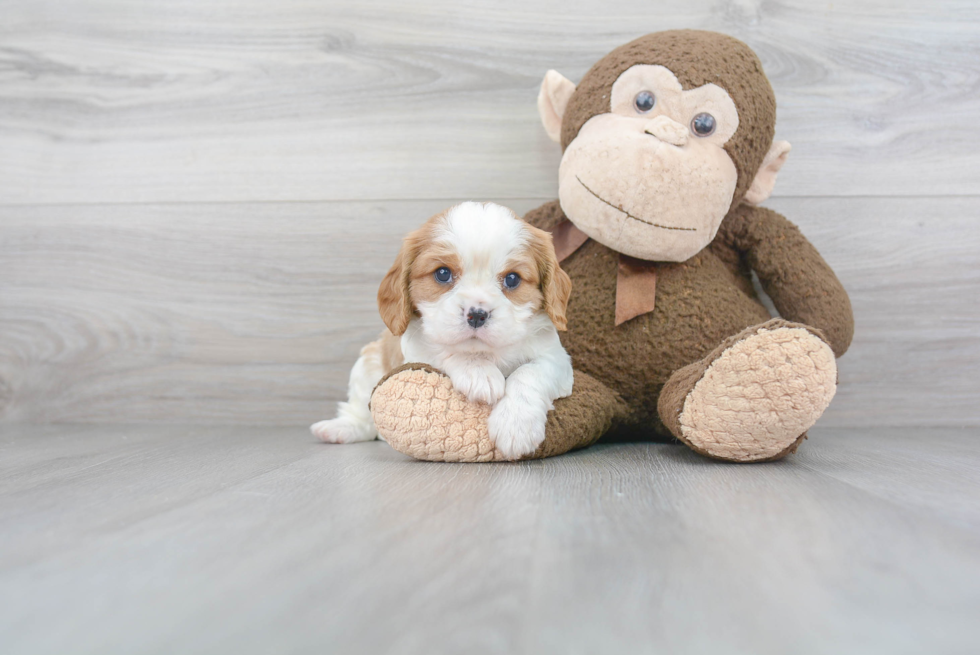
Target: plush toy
[668, 149]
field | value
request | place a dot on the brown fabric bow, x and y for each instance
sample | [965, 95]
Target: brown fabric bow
[636, 280]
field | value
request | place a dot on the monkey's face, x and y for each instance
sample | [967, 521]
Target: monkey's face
[651, 178]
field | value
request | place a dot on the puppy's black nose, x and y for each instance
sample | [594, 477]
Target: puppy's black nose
[477, 317]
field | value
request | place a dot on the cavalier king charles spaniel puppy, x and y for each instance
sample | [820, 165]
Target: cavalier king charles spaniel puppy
[477, 293]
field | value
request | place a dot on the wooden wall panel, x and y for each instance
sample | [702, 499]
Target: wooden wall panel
[254, 313]
[250, 100]
[197, 200]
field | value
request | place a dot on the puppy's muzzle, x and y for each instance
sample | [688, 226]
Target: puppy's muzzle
[477, 317]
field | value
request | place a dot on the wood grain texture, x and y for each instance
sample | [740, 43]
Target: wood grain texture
[256, 540]
[254, 314]
[198, 200]
[246, 100]
[214, 313]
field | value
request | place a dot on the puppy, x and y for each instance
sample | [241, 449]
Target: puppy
[478, 293]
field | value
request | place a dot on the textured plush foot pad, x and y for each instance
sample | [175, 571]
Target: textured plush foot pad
[758, 398]
[419, 413]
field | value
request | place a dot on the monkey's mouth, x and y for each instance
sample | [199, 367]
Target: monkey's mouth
[629, 215]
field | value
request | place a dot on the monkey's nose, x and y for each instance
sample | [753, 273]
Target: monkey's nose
[477, 317]
[667, 130]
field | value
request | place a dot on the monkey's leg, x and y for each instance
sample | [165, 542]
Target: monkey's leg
[417, 411]
[754, 396]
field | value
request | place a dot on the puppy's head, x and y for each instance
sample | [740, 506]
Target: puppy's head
[476, 274]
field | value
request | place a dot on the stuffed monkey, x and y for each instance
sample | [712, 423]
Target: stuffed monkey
[668, 149]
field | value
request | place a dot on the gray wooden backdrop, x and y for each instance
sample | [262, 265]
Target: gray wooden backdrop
[198, 199]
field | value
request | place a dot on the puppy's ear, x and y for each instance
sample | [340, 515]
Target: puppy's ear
[394, 300]
[556, 286]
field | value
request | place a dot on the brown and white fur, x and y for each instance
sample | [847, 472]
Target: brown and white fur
[499, 345]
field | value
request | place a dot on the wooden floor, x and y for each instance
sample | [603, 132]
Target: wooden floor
[258, 540]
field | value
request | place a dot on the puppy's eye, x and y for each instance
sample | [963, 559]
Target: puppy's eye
[511, 280]
[703, 124]
[644, 101]
[443, 275]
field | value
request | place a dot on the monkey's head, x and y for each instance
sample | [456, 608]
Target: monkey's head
[662, 138]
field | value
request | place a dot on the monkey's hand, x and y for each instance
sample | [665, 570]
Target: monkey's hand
[802, 285]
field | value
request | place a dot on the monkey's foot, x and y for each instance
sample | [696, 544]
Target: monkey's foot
[754, 397]
[419, 413]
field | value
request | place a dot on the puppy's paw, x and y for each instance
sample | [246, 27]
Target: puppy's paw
[480, 385]
[343, 430]
[517, 429]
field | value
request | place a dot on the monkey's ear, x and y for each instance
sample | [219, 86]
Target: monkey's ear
[556, 89]
[394, 301]
[765, 179]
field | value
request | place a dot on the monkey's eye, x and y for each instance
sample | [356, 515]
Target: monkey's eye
[443, 275]
[703, 124]
[512, 280]
[644, 101]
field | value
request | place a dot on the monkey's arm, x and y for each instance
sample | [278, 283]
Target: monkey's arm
[546, 216]
[801, 284]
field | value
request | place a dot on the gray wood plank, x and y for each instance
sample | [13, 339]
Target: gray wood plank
[939, 476]
[169, 312]
[911, 270]
[108, 101]
[207, 540]
[253, 314]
